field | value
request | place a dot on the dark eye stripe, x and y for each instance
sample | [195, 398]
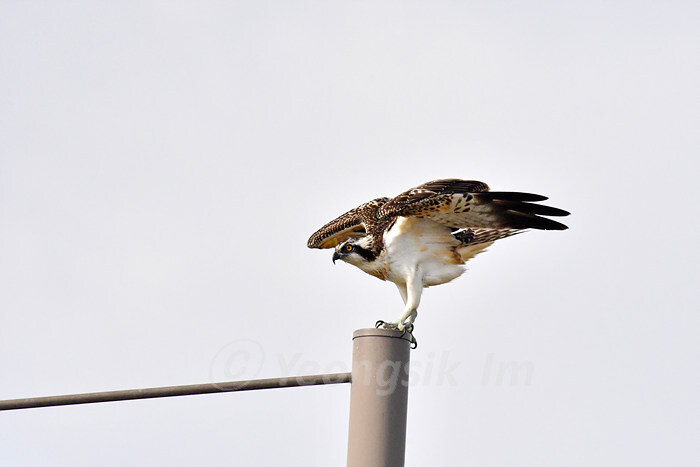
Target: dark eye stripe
[366, 254]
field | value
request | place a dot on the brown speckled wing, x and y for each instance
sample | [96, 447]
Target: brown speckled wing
[429, 196]
[468, 204]
[458, 204]
[354, 223]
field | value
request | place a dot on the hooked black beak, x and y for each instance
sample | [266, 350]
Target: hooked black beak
[335, 256]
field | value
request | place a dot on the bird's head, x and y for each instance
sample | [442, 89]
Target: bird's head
[355, 251]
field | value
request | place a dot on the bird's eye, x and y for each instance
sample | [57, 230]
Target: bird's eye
[348, 247]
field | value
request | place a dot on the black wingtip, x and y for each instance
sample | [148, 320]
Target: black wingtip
[530, 208]
[522, 220]
[518, 210]
[511, 196]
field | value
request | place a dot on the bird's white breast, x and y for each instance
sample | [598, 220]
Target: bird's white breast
[417, 245]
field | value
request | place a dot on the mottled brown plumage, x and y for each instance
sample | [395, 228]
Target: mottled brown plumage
[461, 204]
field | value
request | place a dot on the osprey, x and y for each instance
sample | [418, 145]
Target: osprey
[424, 236]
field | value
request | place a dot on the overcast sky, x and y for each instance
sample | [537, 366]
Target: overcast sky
[162, 165]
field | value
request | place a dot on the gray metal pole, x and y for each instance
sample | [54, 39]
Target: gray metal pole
[378, 398]
[170, 391]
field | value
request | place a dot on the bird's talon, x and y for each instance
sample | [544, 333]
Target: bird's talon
[405, 328]
[408, 329]
[384, 325]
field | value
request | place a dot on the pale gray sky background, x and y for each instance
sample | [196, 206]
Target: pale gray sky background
[163, 163]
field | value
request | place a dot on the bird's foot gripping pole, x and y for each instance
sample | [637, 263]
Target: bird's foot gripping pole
[406, 329]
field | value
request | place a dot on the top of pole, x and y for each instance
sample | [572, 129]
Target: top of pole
[381, 332]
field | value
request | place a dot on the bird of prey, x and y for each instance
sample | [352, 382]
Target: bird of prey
[423, 236]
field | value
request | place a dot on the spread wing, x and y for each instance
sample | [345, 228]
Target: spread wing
[352, 224]
[469, 204]
[458, 204]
